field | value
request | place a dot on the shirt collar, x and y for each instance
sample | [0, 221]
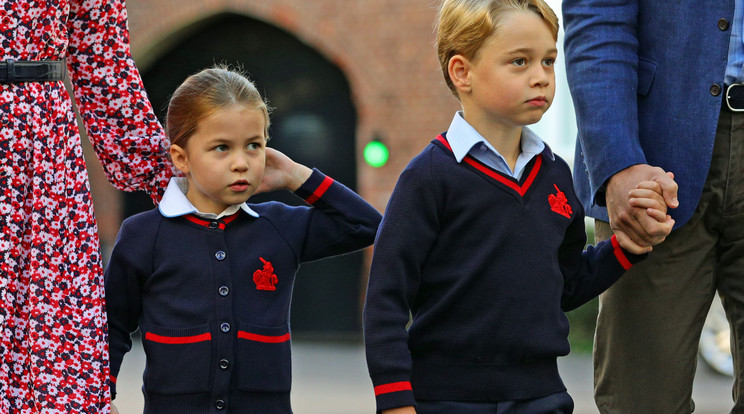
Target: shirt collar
[462, 137]
[175, 203]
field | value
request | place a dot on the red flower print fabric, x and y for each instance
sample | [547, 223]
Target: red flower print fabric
[53, 341]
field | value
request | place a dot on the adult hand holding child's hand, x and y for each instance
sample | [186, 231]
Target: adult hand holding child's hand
[634, 228]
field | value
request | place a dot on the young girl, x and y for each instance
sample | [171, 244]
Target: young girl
[208, 278]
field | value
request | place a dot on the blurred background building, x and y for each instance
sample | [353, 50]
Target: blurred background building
[339, 74]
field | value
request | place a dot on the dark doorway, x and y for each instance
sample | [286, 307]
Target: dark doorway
[313, 122]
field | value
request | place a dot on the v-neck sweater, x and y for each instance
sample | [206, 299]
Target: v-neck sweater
[486, 265]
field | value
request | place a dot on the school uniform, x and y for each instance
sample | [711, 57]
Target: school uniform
[211, 296]
[486, 264]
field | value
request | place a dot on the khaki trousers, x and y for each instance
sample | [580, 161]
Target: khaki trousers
[649, 324]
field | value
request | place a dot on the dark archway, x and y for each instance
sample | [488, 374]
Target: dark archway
[313, 121]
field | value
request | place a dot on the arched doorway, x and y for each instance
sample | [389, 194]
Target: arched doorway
[313, 121]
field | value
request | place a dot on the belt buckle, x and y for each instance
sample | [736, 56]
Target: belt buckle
[735, 92]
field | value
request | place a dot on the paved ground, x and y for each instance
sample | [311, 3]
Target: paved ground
[331, 378]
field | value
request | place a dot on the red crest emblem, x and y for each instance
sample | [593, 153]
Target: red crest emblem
[559, 203]
[265, 279]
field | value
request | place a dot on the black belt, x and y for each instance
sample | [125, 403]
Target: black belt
[734, 98]
[12, 71]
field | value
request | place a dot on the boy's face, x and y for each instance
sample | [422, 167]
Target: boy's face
[224, 159]
[512, 80]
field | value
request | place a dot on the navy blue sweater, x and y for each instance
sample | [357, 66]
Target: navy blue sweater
[212, 297]
[486, 266]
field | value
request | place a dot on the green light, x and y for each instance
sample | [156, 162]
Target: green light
[376, 154]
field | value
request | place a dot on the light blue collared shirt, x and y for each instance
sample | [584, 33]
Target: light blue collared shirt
[175, 203]
[735, 66]
[464, 140]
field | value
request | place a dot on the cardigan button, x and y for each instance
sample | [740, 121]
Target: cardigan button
[723, 24]
[224, 290]
[220, 255]
[225, 327]
[224, 364]
[219, 404]
[213, 224]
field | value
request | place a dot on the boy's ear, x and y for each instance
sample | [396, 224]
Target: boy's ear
[459, 72]
[180, 158]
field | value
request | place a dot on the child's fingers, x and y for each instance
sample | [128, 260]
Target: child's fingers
[658, 215]
[642, 202]
[650, 185]
[645, 193]
[647, 198]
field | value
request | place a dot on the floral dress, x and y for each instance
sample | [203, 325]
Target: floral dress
[53, 339]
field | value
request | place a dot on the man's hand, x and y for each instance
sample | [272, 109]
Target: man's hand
[634, 228]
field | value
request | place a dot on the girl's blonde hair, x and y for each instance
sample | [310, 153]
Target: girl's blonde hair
[202, 94]
[464, 26]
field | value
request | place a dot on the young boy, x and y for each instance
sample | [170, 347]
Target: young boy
[482, 240]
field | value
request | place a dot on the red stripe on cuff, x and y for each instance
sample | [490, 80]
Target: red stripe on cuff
[322, 188]
[619, 254]
[263, 338]
[393, 387]
[112, 378]
[178, 339]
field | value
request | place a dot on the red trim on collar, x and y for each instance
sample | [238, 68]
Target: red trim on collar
[206, 223]
[322, 188]
[521, 190]
[444, 141]
[194, 219]
[228, 219]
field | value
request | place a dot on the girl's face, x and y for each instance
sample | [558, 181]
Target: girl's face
[224, 159]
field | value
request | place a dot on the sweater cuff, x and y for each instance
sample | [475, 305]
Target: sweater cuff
[393, 395]
[112, 386]
[624, 257]
[315, 187]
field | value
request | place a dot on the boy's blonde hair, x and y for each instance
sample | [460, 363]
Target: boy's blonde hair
[202, 94]
[464, 26]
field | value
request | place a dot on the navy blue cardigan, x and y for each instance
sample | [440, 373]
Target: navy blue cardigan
[212, 298]
[486, 265]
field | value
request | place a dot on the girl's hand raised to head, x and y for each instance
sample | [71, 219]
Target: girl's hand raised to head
[282, 173]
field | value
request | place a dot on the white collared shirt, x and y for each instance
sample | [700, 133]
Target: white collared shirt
[464, 140]
[175, 203]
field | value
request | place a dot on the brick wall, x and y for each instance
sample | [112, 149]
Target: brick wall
[384, 47]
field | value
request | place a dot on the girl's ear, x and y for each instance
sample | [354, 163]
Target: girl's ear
[180, 158]
[459, 72]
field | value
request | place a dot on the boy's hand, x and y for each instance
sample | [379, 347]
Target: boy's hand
[636, 231]
[400, 410]
[281, 173]
[114, 410]
[648, 195]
